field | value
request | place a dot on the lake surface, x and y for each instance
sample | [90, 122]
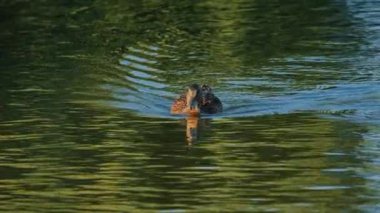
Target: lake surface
[86, 87]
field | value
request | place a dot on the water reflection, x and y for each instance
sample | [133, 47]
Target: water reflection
[192, 129]
[86, 88]
[264, 162]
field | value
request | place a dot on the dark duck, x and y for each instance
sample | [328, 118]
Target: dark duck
[197, 99]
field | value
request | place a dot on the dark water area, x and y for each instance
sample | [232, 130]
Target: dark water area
[86, 88]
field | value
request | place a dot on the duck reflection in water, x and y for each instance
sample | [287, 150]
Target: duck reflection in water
[194, 128]
[195, 101]
[191, 129]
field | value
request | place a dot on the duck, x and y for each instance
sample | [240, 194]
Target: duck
[196, 100]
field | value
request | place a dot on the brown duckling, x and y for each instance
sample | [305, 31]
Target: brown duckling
[197, 99]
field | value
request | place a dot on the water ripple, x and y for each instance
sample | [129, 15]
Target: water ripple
[149, 94]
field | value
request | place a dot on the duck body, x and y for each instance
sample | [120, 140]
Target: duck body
[197, 99]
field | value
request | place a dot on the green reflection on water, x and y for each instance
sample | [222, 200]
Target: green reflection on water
[86, 88]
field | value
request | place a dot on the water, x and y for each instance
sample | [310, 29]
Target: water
[86, 87]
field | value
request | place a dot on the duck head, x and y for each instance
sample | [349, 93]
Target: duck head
[207, 94]
[193, 94]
